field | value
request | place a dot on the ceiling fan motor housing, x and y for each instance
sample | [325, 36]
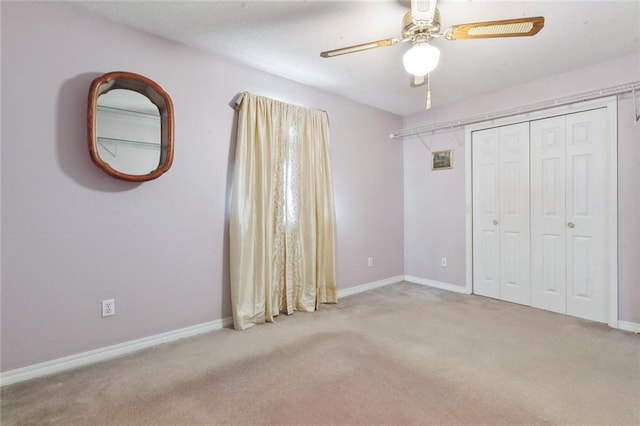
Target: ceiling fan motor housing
[410, 30]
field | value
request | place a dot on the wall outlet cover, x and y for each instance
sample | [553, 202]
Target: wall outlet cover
[108, 308]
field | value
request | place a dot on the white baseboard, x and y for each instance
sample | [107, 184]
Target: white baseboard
[621, 325]
[629, 326]
[120, 349]
[108, 352]
[437, 284]
[369, 286]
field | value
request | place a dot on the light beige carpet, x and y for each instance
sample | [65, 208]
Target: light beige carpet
[399, 355]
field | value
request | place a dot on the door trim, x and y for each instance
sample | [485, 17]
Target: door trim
[611, 104]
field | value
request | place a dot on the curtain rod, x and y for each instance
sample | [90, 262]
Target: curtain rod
[565, 100]
[236, 102]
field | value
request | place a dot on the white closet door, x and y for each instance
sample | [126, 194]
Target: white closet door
[586, 215]
[514, 214]
[568, 214]
[501, 213]
[486, 212]
[548, 225]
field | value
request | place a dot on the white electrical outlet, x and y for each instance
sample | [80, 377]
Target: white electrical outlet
[443, 261]
[370, 261]
[108, 307]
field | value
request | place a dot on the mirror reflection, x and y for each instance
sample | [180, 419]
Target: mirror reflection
[128, 132]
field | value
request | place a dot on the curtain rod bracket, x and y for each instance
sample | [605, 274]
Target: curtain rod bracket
[237, 101]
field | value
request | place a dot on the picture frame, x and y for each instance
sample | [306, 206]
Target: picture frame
[442, 160]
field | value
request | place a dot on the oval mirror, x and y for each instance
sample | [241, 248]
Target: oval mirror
[130, 123]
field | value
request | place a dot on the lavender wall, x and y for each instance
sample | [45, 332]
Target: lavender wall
[435, 201]
[72, 236]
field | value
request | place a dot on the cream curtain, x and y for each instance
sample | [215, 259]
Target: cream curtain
[282, 216]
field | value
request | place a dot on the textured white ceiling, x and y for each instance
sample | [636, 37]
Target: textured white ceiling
[286, 37]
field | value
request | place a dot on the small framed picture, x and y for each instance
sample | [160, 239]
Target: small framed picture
[441, 160]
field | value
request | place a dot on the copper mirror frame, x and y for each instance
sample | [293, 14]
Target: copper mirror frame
[157, 96]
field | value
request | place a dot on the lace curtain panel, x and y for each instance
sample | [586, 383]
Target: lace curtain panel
[282, 215]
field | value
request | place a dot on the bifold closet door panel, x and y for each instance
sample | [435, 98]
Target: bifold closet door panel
[548, 226]
[514, 214]
[486, 212]
[501, 243]
[586, 220]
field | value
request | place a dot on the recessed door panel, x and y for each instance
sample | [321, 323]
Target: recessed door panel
[579, 182]
[515, 285]
[552, 193]
[510, 188]
[488, 268]
[579, 255]
[552, 270]
[489, 189]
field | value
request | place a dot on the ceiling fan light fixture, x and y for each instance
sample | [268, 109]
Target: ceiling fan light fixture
[421, 59]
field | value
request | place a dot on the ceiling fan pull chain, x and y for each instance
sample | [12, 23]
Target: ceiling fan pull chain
[428, 106]
[635, 106]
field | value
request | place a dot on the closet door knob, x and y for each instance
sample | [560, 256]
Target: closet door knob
[495, 222]
[571, 225]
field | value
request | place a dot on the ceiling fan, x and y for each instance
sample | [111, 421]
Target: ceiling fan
[422, 23]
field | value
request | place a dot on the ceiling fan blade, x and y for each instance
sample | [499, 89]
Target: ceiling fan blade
[359, 47]
[521, 27]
